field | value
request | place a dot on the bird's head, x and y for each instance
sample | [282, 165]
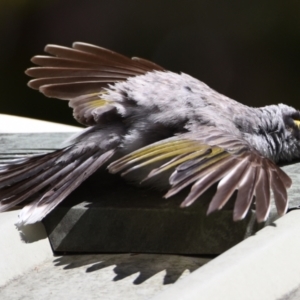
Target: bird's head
[291, 133]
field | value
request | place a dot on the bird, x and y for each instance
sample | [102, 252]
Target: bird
[153, 125]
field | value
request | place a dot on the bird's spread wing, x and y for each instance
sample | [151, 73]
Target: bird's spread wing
[47, 179]
[81, 73]
[211, 156]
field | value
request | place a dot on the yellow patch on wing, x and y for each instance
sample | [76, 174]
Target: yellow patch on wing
[179, 152]
[297, 123]
[158, 150]
[98, 103]
[210, 154]
[93, 100]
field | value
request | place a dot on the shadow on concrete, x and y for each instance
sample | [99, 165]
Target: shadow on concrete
[147, 265]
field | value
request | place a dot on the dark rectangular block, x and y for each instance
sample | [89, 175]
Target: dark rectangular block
[116, 217]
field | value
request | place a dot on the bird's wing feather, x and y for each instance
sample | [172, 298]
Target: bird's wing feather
[81, 74]
[47, 179]
[208, 157]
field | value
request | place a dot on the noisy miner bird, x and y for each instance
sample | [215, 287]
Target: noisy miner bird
[152, 123]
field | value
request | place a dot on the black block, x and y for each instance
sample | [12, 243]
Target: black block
[117, 217]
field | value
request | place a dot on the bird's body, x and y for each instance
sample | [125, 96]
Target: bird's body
[177, 102]
[146, 121]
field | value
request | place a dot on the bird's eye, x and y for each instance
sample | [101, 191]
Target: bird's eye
[297, 123]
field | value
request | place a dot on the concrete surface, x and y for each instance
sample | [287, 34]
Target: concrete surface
[266, 266]
[18, 257]
[105, 276]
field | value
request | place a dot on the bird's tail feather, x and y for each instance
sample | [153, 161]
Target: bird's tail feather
[48, 179]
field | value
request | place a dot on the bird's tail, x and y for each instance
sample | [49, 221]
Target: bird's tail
[45, 180]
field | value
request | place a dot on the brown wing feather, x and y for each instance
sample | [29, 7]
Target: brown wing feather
[246, 190]
[44, 72]
[71, 90]
[208, 176]
[280, 193]
[83, 72]
[262, 193]
[59, 62]
[227, 185]
[39, 208]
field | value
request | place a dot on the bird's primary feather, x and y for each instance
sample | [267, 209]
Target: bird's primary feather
[151, 122]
